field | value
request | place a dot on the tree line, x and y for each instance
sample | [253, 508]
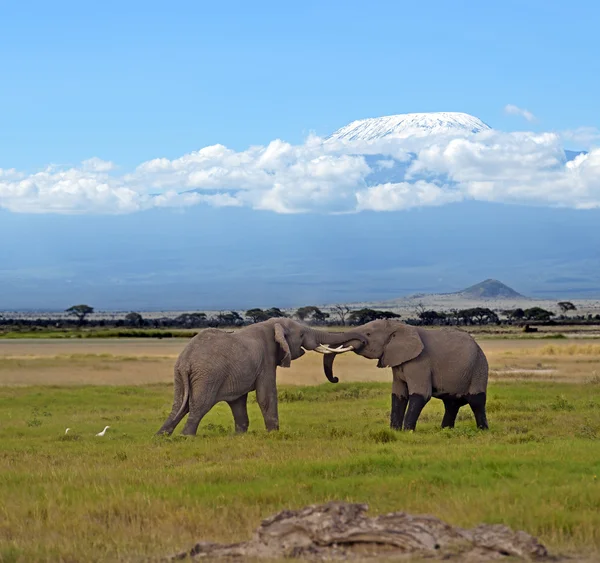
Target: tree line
[339, 315]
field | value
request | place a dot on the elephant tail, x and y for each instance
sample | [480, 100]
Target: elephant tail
[185, 380]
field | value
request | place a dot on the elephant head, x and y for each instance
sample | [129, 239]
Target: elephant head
[391, 342]
[294, 338]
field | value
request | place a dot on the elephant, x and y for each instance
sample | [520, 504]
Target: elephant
[225, 366]
[445, 363]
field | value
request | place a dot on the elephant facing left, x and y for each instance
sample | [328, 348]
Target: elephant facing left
[225, 366]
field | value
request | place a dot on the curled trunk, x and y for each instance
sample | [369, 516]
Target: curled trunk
[336, 339]
[328, 367]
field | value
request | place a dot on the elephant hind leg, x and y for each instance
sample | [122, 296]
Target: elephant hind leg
[180, 405]
[477, 404]
[451, 407]
[239, 410]
[171, 423]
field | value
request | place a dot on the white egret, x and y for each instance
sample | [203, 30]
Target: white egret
[103, 431]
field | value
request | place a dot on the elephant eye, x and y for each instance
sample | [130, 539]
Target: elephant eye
[368, 334]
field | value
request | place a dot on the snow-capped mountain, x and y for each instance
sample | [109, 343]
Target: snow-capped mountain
[408, 125]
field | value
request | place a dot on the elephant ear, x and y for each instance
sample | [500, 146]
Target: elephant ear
[403, 345]
[285, 356]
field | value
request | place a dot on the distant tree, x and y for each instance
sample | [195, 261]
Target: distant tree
[256, 315]
[134, 319]
[362, 316]
[341, 311]
[537, 314]
[514, 314]
[319, 316]
[80, 311]
[431, 317]
[479, 315]
[304, 312]
[275, 312]
[483, 315]
[566, 306]
[311, 312]
[229, 319]
[191, 320]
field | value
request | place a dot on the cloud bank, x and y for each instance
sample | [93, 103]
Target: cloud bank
[325, 176]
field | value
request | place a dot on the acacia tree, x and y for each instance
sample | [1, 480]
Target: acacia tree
[537, 314]
[80, 311]
[363, 316]
[134, 319]
[341, 311]
[566, 306]
[311, 312]
[514, 314]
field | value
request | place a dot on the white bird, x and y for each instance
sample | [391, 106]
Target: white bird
[103, 431]
[67, 430]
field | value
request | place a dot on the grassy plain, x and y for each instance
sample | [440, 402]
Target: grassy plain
[130, 496]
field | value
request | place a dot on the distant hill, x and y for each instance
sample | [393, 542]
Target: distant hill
[489, 289]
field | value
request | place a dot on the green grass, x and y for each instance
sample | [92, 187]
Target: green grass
[130, 495]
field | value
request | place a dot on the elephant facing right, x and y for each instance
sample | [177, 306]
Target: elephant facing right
[445, 363]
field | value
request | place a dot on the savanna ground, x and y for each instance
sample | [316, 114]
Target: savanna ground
[130, 495]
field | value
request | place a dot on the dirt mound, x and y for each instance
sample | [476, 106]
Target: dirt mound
[340, 530]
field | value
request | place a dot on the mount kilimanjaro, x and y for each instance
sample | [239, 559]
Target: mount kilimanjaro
[407, 125]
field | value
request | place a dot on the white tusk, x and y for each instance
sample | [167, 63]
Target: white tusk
[340, 348]
[326, 349]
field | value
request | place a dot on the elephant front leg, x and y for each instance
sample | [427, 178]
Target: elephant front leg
[239, 409]
[266, 396]
[399, 403]
[415, 406]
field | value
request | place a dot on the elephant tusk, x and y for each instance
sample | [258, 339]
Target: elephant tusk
[325, 349]
[320, 348]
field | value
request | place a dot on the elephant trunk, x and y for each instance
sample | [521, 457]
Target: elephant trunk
[317, 338]
[328, 367]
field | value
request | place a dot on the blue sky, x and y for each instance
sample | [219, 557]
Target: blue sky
[171, 154]
[131, 81]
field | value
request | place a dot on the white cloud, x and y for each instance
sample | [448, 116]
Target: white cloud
[515, 110]
[582, 136]
[324, 176]
[405, 195]
[96, 164]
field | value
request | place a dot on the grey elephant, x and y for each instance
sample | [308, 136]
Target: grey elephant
[445, 363]
[225, 366]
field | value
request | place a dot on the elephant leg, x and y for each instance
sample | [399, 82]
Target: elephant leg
[174, 419]
[415, 406]
[201, 401]
[179, 409]
[451, 408]
[266, 396]
[239, 410]
[477, 404]
[399, 403]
